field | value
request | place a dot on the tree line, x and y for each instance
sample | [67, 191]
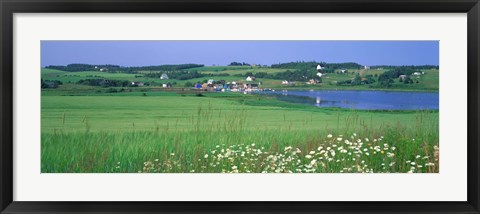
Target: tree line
[180, 75]
[414, 67]
[312, 65]
[116, 68]
[238, 64]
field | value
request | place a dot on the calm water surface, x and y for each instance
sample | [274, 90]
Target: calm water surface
[371, 100]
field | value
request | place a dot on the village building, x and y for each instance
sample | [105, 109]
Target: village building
[417, 73]
[366, 67]
[205, 85]
[250, 78]
[312, 82]
[103, 69]
[402, 77]
[210, 81]
[167, 85]
[320, 73]
[164, 76]
[284, 82]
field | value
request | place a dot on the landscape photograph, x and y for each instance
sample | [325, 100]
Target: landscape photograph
[239, 106]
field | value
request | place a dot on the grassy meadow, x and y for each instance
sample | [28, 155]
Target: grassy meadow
[170, 132]
[151, 129]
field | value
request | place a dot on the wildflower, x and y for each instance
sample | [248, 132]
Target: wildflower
[329, 136]
[417, 157]
[172, 154]
[234, 167]
[313, 162]
[308, 156]
[206, 156]
[412, 163]
[319, 148]
[339, 139]
[253, 144]
[287, 148]
[156, 160]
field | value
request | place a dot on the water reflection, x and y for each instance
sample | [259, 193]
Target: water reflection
[373, 100]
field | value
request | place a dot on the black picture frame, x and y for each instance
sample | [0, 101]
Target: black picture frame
[9, 7]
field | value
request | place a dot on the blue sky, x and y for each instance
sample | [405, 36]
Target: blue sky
[142, 53]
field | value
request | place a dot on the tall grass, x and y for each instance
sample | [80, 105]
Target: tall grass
[216, 141]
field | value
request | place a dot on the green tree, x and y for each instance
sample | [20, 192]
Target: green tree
[357, 80]
[188, 84]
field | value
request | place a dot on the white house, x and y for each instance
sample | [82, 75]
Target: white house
[319, 67]
[319, 74]
[366, 67]
[284, 82]
[210, 81]
[417, 73]
[402, 77]
[343, 71]
[250, 78]
[164, 77]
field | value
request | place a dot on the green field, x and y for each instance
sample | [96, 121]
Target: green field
[169, 132]
[94, 129]
[427, 82]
